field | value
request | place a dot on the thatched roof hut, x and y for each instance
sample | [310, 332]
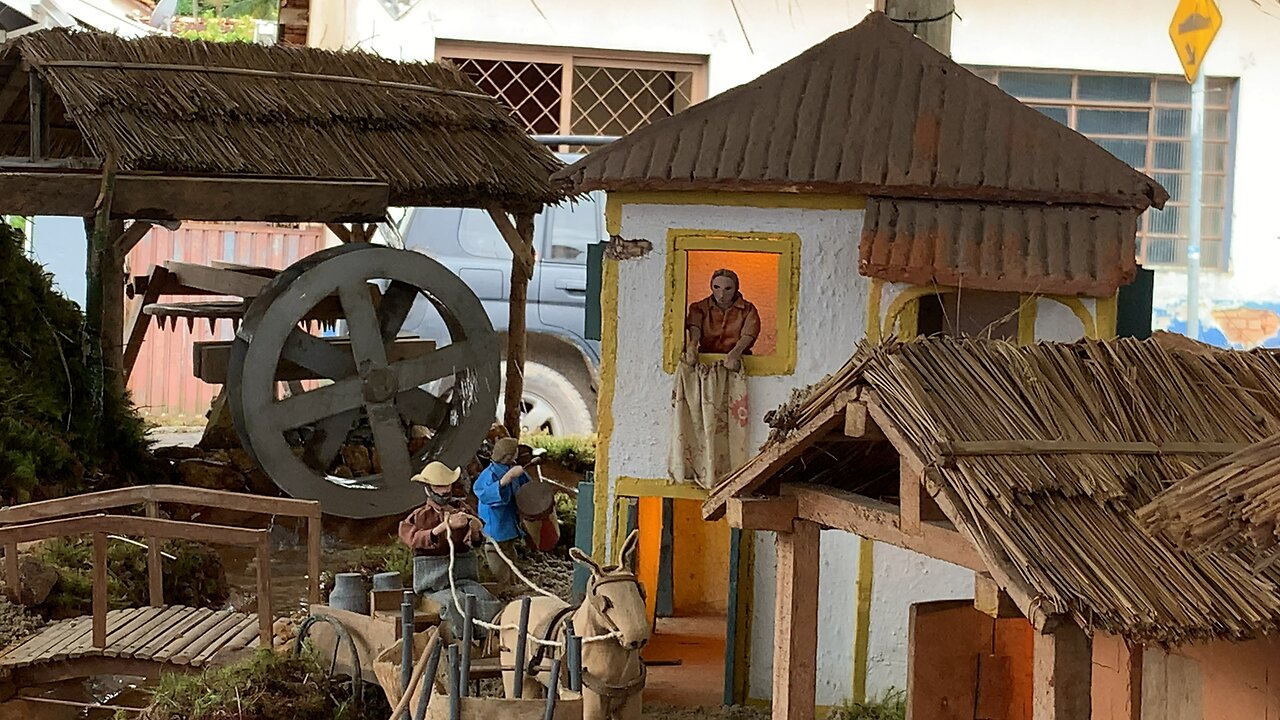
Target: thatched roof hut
[1038, 458]
[162, 105]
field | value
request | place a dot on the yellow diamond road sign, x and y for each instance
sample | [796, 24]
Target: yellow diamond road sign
[1195, 24]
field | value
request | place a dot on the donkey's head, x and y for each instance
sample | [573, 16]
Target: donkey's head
[615, 596]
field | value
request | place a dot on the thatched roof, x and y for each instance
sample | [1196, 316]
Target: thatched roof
[1231, 505]
[1050, 451]
[167, 105]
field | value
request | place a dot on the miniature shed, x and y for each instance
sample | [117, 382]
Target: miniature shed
[1027, 465]
[164, 130]
[869, 187]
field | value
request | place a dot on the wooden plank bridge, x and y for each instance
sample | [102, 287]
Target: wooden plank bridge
[144, 641]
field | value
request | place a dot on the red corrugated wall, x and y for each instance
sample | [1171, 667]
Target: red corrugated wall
[162, 383]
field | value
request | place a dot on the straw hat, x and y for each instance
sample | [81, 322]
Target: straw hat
[437, 474]
[505, 450]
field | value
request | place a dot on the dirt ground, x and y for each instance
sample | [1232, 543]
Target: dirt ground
[732, 712]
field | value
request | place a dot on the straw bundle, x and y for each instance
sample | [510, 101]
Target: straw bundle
[1064, 446]
[171, 105]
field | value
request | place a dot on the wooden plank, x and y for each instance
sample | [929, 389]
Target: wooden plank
[132, 236]
[1062, 666]
[216, 281]
[993, 687]
[13, 585]
[83, 637]
[129, 618]
[315, 529]
[246, 635]
[971, 448]
[139, 321]
[192, 630]
[84, 646]
[226, 642]
[138, 495]
[858, 423]
[217, 632]
[795, 635]
[38, 114]
[155, 566]
[265, 618]
[136, 626]
[878, 521]
[521, 251]
[211, 360]
[37, 645]
[775, 514]
[99, 588]
[126, 525]
[990, 600]
[168, 198]
[163, 629]
[910, 488]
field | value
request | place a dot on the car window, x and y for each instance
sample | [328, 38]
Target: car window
[479, 237]
[430, 229]
[574, 226]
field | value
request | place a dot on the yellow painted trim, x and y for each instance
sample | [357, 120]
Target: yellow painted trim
[769, 201]
[786, 245]
[862, 619]
[1106, 311]
[613, 214]
[1077, 306]
[657, 487]
[604, 407]
[873, 311]
[1028, 307]
[900, 304]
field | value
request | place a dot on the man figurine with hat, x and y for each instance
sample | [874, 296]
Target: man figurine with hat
[496, 488]
[448, 512]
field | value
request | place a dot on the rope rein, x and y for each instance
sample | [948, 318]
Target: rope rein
[457, 604]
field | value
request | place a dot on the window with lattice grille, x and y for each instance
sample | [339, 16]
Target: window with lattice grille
[555, 92]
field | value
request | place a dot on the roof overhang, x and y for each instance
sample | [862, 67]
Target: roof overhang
[30, 191]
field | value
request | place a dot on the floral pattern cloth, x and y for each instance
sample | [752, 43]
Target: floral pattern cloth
[710, 422]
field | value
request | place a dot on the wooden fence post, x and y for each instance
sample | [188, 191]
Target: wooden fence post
[265, 621]
[155, 571]
[99, 590]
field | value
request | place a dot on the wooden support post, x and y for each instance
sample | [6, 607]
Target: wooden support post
[795, 623]
[265, 620]
[775, 514]
[113, 282]
[13, 583]
[1062, 674]
[858, 422]
[100, 590]
[38, 111]
[314, 530]
[140, 321]
[516, 326]
[929, 20]
[97, 229]
[155, 571]
[990, 599]
[910, 487]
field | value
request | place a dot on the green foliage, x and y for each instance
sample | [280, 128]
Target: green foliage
[194, 576]
[891, 706]
[267, 686]
[50, 439]
[374, 559]
[576, 453]
[219, 30]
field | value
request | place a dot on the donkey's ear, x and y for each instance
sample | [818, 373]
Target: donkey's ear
[628, 551]
[584, 559]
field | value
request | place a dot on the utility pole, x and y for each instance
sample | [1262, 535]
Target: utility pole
[929, 20]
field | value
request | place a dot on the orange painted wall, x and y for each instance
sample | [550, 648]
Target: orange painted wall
[700, 568]
[649, 553]
[758, 283]
[1111, 678]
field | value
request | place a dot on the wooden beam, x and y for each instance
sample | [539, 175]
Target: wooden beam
[100, 589]
[155, 568]
[215, 281]
[1062, 674]
[132, 236]
[521, 249]
[170, 198]
[129, 525]
[342, 231]
[879, 521]
[991, 600]
[969, 448]
[38, 111]
[140, 321]
[795, 624]
[138, 495]
[910, 488]
[858, 424]
[992, 559]
[211, 360]
[773, 459]
[775, 514]
[517, 308]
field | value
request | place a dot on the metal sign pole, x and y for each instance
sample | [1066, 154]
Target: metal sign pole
[1194, 210]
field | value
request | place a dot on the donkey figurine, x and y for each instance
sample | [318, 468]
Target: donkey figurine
[613, 675]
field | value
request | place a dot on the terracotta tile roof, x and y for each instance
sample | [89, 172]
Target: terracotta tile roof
[1022, 247]
[873, 111]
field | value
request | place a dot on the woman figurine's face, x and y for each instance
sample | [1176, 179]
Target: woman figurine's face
[723, 289]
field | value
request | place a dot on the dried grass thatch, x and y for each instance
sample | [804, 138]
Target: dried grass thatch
[1231, 505]
[162, 104]
[1067, 519]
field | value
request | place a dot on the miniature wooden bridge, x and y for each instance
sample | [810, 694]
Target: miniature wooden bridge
[144, 641]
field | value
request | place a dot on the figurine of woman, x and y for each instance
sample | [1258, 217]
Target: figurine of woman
[722, 323]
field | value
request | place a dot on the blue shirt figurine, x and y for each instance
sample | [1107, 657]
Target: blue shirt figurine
[496, 487]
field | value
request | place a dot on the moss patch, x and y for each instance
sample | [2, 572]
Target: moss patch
[577, 453]
[891, 706]
[267, 686]
[52, 443]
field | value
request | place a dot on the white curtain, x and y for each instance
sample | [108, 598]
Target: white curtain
[709, 425]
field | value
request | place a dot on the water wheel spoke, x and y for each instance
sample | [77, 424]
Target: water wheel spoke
[327, 440]
[421, 407]
[393, 447]
[394, 308]
[434, 365]
[298, 410]
[362, 324]
[308, 351]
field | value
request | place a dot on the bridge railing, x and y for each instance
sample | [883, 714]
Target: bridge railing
[53, 518]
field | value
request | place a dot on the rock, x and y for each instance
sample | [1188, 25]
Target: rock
[210, 475]
[356, 457]
[418, 432]
[35, 580]
[343, 471]
[178, 452]
[260, 483]
[241, 460]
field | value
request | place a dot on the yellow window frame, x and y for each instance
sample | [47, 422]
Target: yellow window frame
[680, 242]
